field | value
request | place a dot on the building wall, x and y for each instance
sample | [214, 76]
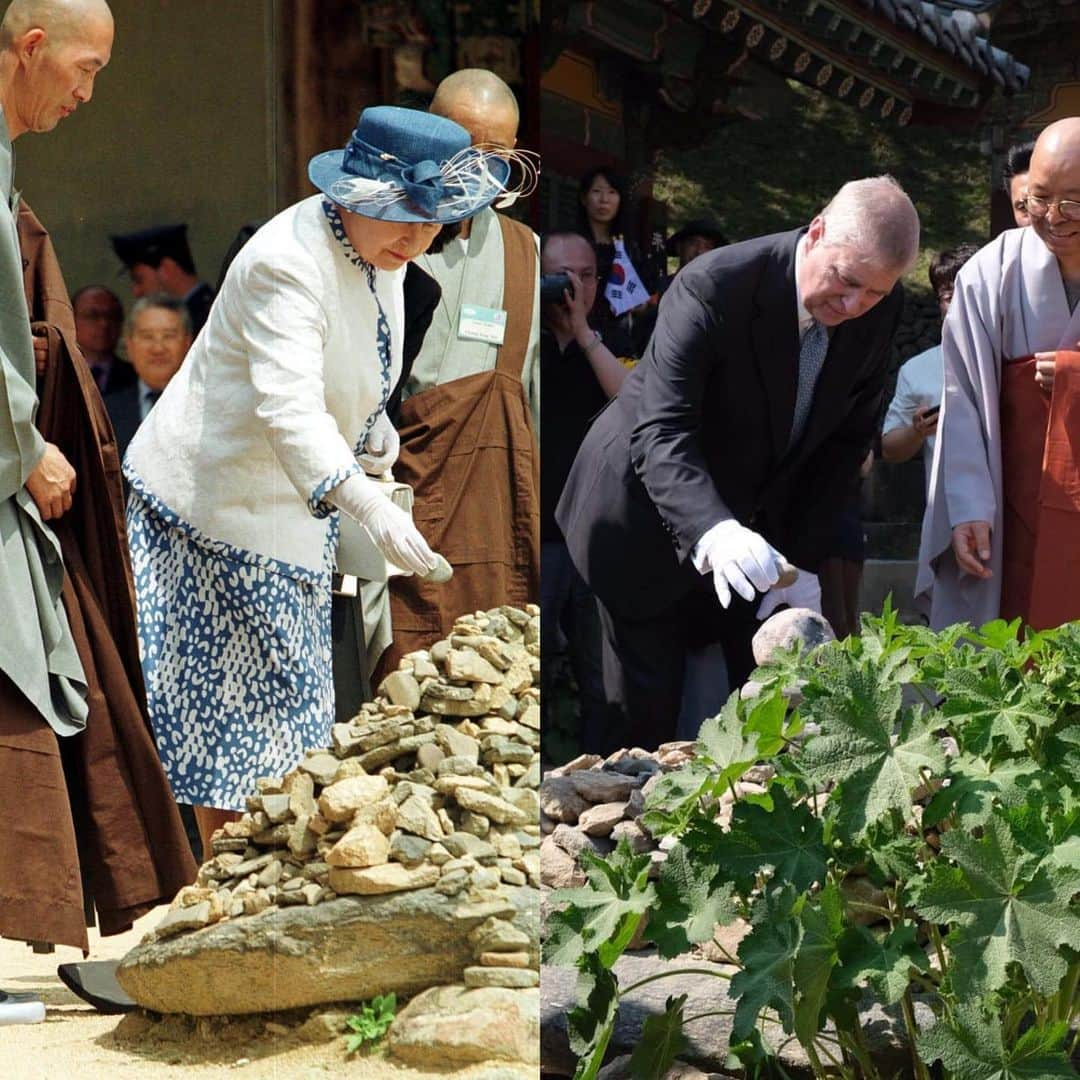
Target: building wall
[181, 129]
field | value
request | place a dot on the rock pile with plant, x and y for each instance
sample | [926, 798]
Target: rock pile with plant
[404, 856]
[941, 769]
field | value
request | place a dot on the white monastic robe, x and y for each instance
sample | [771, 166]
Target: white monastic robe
[1009, 302]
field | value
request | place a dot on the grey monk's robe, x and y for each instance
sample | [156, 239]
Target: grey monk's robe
[37, 653]
[1009, 303]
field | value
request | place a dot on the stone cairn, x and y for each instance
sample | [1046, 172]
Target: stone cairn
[432, 784]
[592, 802]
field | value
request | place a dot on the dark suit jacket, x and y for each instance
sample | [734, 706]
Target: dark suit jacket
[422, 294]
[699, 430]
[123, 409]
[121, 374]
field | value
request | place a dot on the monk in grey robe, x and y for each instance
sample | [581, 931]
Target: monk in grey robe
[1003, 515]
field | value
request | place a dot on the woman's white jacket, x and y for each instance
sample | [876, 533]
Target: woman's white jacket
[266, 412]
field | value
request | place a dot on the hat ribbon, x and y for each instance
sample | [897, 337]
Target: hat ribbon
[424, 184]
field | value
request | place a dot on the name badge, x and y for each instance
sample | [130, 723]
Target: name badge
[482, 324]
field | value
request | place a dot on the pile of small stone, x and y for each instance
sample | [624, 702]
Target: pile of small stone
[433, 784]
[591, 803]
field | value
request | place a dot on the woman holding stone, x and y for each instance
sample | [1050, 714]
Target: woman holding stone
[271, 427]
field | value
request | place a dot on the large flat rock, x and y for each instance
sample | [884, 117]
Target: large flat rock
[347, 949]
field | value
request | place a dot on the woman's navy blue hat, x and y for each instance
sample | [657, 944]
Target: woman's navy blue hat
[407, 165]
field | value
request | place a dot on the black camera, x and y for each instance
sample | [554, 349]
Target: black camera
[552, 287]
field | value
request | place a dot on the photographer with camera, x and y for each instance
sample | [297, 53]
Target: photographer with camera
[581, 372]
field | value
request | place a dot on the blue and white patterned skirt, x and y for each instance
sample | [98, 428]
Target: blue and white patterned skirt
[236, 655]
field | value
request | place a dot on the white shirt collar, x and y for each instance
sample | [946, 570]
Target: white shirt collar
[804, 317]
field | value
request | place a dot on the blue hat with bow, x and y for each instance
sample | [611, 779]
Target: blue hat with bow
[407, 165]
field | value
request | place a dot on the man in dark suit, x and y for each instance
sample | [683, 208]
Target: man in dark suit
[736, 438]
[157, 336]
[159, 261]
[99, 317]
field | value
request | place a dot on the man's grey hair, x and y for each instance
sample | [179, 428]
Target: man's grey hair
[875, 216]
[158, 300]
[60, 19]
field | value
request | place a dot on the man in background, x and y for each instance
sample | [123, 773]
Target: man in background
[694, 239]
[471, 404]
[582, 371]
[99, 317]
[159, 261]
[157, 337]
[1014, 179]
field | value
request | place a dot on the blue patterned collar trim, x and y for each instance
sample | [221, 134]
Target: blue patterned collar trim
[337, 227]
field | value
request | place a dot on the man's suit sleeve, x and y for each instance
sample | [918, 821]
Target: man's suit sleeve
[665, 446]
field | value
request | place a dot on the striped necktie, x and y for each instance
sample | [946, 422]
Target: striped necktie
[815, 344]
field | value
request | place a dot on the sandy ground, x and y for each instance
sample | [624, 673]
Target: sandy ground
[77, 1042]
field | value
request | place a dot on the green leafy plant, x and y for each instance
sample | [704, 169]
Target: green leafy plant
[942, 767]
[372, 1021]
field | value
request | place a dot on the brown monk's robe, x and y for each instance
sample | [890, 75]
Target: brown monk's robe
[93, 811]
[1041, 521]
[469, 452]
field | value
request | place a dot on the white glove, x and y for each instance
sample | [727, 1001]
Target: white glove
[388, 525]
[381, 447]
[740, 560]
[804, 593]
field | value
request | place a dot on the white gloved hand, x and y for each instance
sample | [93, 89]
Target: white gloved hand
[381, 447]
[388, 525]
[740, 560]
[804, 593]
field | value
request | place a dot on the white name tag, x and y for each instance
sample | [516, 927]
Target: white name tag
[482, 324]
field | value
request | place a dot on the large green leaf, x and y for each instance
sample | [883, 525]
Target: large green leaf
[971, 1047]
[769, 720]
[1006, 904]
[563, 945]
[878, 766]
[676, 798]
[822, 924]
[592, 1022]
[691, 899]
[993, 705]
[768, 957]
[661, 1041]
[884, 962]
[604, 915]
[977, 785]
[721, 740]
[787, 840]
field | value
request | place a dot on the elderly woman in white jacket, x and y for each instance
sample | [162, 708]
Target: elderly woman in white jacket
[238, 473]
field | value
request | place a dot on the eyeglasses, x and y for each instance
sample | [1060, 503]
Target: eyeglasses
[1037, 206]
[1021, 205]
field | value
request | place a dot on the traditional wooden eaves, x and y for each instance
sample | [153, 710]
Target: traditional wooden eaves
[896, 59]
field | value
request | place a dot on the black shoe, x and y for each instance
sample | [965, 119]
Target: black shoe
[95, 981]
